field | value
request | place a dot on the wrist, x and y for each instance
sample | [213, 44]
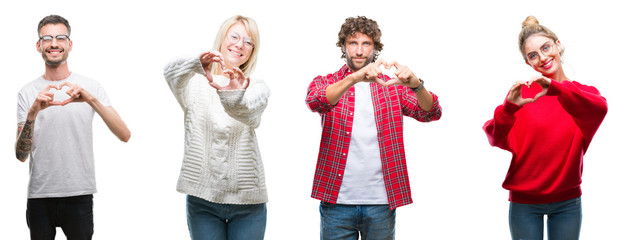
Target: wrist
[418, 87]
[31, 115]
[352, 79]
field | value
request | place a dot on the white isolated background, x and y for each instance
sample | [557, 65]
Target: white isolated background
[466, 51]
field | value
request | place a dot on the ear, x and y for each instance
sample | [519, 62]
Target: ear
[70, 46]
[558, 43]
[38, 46]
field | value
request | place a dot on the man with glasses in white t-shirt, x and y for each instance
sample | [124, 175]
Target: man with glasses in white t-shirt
[55, 113]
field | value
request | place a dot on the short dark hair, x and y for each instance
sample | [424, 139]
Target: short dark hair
[53, 19]
[363, 25]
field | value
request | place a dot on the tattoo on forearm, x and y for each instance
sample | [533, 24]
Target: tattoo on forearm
[25, 140]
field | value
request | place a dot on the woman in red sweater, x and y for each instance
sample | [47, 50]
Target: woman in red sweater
[547, 124]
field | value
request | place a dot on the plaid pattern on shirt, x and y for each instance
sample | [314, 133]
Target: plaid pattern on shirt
[390, 104]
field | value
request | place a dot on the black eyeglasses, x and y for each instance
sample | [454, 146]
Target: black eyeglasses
[60, 38]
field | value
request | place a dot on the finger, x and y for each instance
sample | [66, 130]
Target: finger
[64, 102]
[403, 73]
[57, 103]
[380, 62]
[375, 71]
[222, 64]
[49, 94]
[541, 94]
[70, 92]
[240, 74]
[215, 54]
[527, 100]
[396, 65]
[403, 69]
[215, 85]
[516, 86]
[209, 76]
[49, 87]
[247, 83]
[381, 82]
[393, 81]
[76, 92]
[44, 98]
[230, 73]
[67, 84]
[385, 64]
[203, 56]
[535, 78]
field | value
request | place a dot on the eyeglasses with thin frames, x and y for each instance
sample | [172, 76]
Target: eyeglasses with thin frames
[49, 38]
[545, 50]
[234, 37]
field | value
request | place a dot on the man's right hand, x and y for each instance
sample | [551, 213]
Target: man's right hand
[44, 99]
[370, 73]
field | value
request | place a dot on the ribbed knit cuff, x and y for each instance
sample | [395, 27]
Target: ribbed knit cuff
[511, 108]
[231, 97]
[554, 89]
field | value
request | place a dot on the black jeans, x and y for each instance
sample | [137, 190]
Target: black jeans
[72, 214]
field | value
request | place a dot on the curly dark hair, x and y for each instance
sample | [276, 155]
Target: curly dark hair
[363, 25]
[53, 19]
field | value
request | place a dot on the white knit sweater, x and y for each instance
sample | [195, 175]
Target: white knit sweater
[222, 162]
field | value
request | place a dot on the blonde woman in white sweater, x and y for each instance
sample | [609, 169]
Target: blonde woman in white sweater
[222, 171]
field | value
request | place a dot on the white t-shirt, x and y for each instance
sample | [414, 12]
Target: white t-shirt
[363, 176]
[62, 159]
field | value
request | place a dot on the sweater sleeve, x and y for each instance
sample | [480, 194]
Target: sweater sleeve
[498, 128]
[178, 73]
[246, 105]
[584, 103]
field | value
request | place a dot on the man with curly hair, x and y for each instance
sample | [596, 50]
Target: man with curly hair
[361, 175]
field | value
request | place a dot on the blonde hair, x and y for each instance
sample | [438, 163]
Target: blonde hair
[252, 29]
[530, 27]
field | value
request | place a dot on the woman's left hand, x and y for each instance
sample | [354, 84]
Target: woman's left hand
[237, 81]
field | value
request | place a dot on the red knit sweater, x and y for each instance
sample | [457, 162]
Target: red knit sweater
[548, 139]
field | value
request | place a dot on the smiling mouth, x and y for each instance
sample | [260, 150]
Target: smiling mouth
[548, 64]
[55, 51]
[236, 53]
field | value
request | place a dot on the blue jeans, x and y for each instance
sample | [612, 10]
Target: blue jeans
[564, 220]
[346, 222]
[213, 221]
[72, 214]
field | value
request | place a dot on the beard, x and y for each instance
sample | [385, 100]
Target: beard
[54, 63]
[369, 60]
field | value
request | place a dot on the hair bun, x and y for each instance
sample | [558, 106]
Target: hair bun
[530, 21]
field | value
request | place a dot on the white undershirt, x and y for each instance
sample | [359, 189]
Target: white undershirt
[363, 177]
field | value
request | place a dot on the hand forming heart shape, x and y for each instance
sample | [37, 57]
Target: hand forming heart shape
[536, 88]
[401, 74]
[59, 94]
[386, 69]
[371, 72]
[50, 95]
